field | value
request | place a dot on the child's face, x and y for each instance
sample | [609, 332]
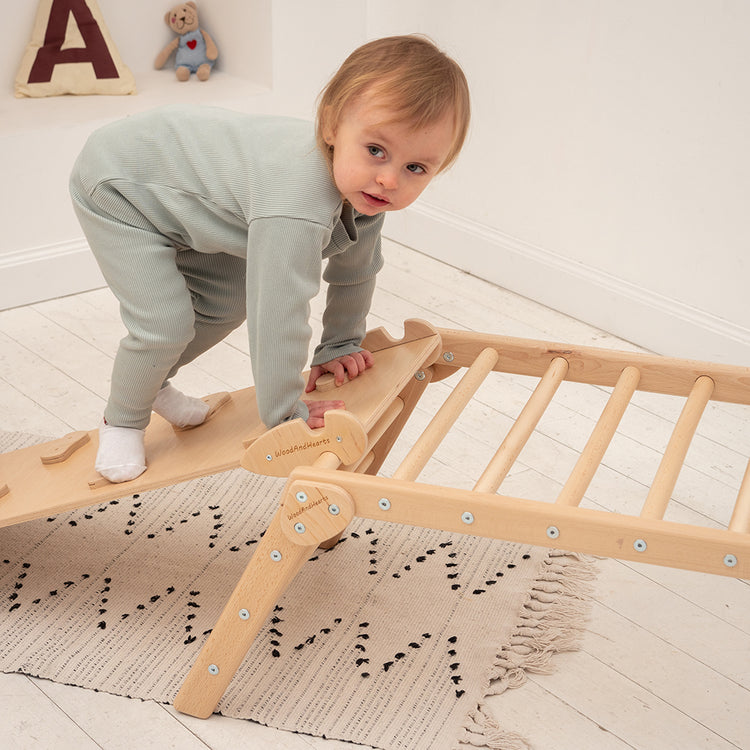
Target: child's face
[379, 165]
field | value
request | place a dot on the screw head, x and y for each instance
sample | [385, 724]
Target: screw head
[419, 375]
[730, 560]
[334, 510]
[553, 532]
[275, 555]
[301, 497]
[467, 517]
[639, 545]
[244, 614]
[299, 528]
[384, 503]
[213, 669]
[448, 356]
[339, 439]
[269, 457]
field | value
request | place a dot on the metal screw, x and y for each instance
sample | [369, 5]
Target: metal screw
[553, 532]
[467, 517]
[384, 503]
[244, 614]
[275, 555]
[339, 439]
[269, 457]
[334, 510]
[419, 375]
[448, 356]
[213, 669]
[639, 545]
[299, 528]
[730, 560]
[301, 497]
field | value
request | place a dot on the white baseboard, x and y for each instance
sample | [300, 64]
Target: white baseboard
[632, 312]
[660, 324]
[36, 274]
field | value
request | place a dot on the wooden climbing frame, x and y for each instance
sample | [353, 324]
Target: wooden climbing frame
[332, 472]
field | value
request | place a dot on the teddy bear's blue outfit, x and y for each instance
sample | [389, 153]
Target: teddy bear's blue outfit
[200, 217]
[191, 51]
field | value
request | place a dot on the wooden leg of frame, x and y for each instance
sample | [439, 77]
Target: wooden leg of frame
[273, 566]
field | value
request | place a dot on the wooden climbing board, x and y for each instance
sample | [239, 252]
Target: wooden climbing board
[53, 477]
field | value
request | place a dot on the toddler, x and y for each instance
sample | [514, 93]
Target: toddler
[200, 218]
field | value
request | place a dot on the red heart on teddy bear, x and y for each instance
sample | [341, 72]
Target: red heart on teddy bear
[192, 44]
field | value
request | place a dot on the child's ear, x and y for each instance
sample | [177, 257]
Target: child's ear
[327, 129]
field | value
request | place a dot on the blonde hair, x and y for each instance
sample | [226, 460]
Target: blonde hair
[410, 75]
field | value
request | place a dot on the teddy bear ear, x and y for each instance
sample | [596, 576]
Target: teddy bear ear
[192, 4]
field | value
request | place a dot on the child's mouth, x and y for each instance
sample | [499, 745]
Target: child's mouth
[374, 200]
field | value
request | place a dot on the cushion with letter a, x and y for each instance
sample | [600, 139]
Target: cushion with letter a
[71, 52]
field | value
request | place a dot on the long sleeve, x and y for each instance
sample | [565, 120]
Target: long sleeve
[283, 274]
[350, 276]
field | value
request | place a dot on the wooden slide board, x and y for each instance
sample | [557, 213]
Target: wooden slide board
[38, 488]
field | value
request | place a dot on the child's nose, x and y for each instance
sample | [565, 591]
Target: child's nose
[387, 178]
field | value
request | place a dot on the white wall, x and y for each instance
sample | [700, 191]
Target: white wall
[608, 173]
[605, 175]
[268, 61]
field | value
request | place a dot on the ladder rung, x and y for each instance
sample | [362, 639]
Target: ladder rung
[524, 426]
[741, 514]
[677, 448]
[592, 455]
[428, 442]
[327, 460]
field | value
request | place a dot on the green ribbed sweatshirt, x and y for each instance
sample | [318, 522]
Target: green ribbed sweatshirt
[254, 187]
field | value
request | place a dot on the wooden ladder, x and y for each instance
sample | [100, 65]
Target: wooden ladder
[322, 496]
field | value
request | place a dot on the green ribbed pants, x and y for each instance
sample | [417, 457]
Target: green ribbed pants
[175, 304]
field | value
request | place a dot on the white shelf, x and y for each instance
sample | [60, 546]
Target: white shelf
[155, 87]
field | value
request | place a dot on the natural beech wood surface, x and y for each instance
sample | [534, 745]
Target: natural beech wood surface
[37, 489]
[588, 364]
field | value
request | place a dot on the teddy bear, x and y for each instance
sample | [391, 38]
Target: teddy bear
[196, 50]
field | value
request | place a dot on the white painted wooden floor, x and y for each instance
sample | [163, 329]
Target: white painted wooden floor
[666, 659]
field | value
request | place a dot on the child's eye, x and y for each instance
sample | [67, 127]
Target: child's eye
[376, 151]
[415, 168]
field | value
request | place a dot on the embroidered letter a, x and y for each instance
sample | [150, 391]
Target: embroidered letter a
[51, 53]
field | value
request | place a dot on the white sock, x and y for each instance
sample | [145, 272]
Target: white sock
[179, 409]
[122, 455]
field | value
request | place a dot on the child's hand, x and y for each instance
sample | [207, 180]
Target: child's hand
[318, 409]
[349, 364]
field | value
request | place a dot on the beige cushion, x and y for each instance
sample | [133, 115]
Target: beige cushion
[71, 52]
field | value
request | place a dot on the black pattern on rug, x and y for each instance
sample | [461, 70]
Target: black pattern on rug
[391, 639]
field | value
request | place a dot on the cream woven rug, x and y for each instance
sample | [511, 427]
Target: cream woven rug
[392, 639]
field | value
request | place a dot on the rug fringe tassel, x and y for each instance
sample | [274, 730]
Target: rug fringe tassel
[552, 620]
[484, 732]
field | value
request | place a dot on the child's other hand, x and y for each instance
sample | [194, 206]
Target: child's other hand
[349, 365]
[318, 409]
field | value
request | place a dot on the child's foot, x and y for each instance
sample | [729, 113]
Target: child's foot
[179, 409]
[122, 455]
